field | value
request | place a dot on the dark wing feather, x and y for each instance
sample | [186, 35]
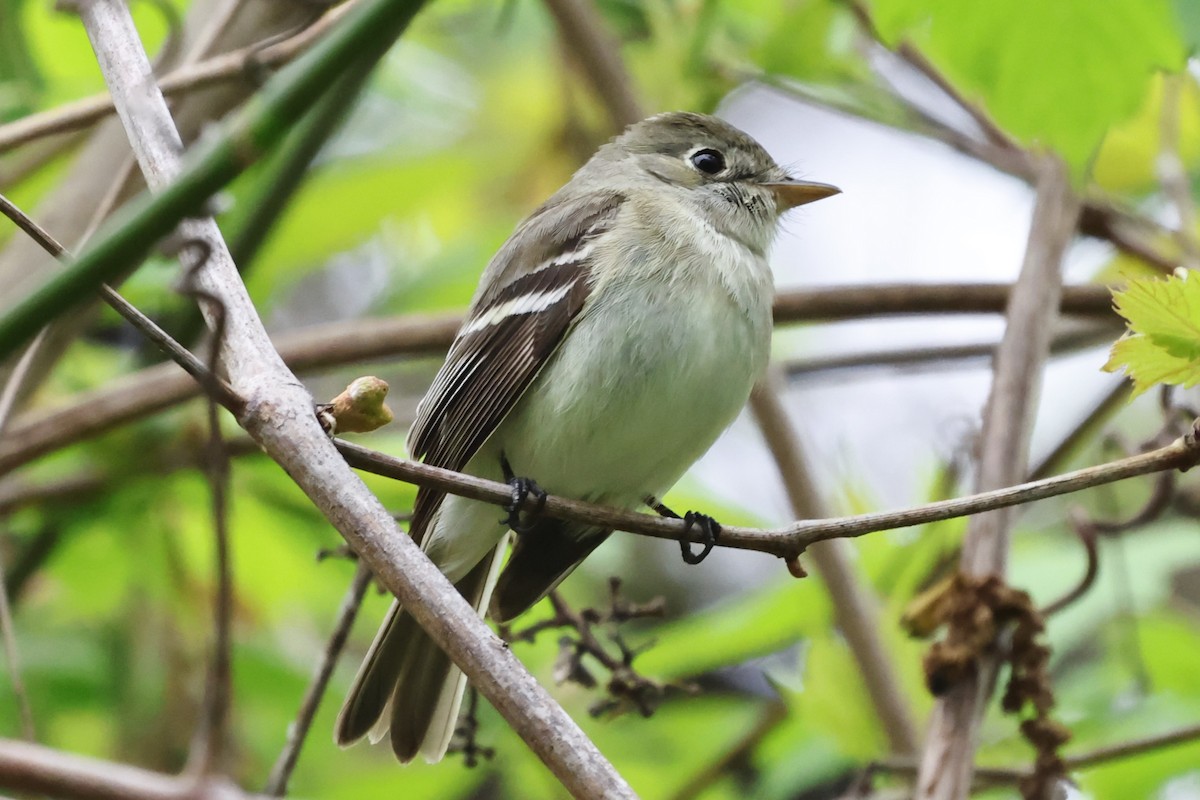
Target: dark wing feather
[534, 289]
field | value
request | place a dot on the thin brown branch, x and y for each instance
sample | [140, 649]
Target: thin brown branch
[592, 635]
[202, 374]
[12, 660]
[771, 718]
[281, 773]
[78, 487]
[1134, 747]
[1101, 217]
[157, 388]
[228, 66]
[948, 760]
[792, 540]
[856, 609]
[163, 386]
[1133, 234]
[919, 62]
[587, 39]
[940, 356]
[210, 748]
[26, 767]
[838, 303]
[1086, 532]
[1091, 758]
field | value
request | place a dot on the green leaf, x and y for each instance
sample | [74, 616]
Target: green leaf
[1058, 74]
[760, 623]
[1163, 341]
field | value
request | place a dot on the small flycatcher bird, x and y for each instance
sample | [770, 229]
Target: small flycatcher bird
[611, 340]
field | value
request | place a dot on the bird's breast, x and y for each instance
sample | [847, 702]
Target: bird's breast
[660, 362]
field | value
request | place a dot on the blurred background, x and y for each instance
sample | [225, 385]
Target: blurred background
[477, 115]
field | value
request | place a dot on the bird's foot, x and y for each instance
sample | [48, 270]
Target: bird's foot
[710, 531]
[522, 490]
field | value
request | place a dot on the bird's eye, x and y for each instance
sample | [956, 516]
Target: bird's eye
[708, 161]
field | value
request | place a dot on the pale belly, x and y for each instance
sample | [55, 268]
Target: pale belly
[618, 415]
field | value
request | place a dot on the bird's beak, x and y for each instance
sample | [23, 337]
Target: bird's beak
[789, 193]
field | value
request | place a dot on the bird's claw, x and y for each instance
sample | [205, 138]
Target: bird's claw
[522, 490]
[710, 531]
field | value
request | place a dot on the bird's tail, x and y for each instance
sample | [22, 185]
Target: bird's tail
[407, 685]
[542, 556]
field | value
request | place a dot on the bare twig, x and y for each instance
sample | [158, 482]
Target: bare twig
[228, 66]
[12, 653]
[882, 300]
[948, 760]
[281, 773]
[466, 734]
[1112, 401]
[855, 607]
[1134, 747]
[210, 746]
[938, 356]
[917, 60]
[1087, 535]
[598, 53]
[792, 540]
[1091, 758]
[26, 767]
[12, 660]
[206, 377]
[83, 485]
[626, 688]
[771, 718]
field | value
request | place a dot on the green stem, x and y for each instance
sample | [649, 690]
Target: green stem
[364, 36]
[281, 177]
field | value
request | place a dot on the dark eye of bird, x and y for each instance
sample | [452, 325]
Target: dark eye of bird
[710, 162]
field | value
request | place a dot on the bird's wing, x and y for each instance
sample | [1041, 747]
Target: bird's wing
[532, 291]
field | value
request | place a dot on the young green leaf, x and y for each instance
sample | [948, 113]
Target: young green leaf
[1162, 344]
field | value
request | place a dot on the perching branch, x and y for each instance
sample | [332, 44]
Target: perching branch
[792, 540]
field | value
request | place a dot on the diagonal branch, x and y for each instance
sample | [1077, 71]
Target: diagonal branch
[792, 540]
[279, 412]
[281, 773]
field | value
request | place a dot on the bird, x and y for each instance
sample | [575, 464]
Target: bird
[610, 341]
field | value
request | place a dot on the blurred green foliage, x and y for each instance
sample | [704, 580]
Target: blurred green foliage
[467, 125]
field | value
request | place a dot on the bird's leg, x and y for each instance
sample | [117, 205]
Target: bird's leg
[710, 530]
[522, 490]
